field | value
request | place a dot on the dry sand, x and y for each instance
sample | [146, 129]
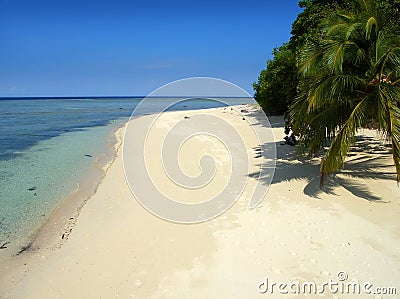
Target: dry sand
[117, 249]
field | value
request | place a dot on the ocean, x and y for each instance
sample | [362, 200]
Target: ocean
[47, 145]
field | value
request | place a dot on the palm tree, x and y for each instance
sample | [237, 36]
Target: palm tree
[350, 79]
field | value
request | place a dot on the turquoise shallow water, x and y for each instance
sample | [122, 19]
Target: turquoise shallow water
[34, 183]
[46, 146]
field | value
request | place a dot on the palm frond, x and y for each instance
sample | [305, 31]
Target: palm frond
[337, 152]
[370, 26]
[309, 61]
[338, 89]
[395, 136]
[335, 52]
[391, 96]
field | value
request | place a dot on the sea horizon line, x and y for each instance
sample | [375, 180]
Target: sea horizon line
[111, 97]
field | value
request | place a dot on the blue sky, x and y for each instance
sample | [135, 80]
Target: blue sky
[97, 47]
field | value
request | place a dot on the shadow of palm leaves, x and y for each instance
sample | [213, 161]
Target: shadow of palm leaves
[369, 158]
[372, 162]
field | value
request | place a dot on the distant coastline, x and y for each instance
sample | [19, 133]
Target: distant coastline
[113, 97]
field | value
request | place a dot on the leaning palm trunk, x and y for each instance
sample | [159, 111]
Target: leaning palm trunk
[350, 80]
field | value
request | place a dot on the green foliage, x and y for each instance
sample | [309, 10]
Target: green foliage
[307, 28]
[350, 79]
[276, 85]
[276, 89]
[340, 71]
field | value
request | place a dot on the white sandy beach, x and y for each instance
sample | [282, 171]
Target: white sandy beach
[117, 249]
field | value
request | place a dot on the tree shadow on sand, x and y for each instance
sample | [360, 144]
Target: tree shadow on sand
[368, 159]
